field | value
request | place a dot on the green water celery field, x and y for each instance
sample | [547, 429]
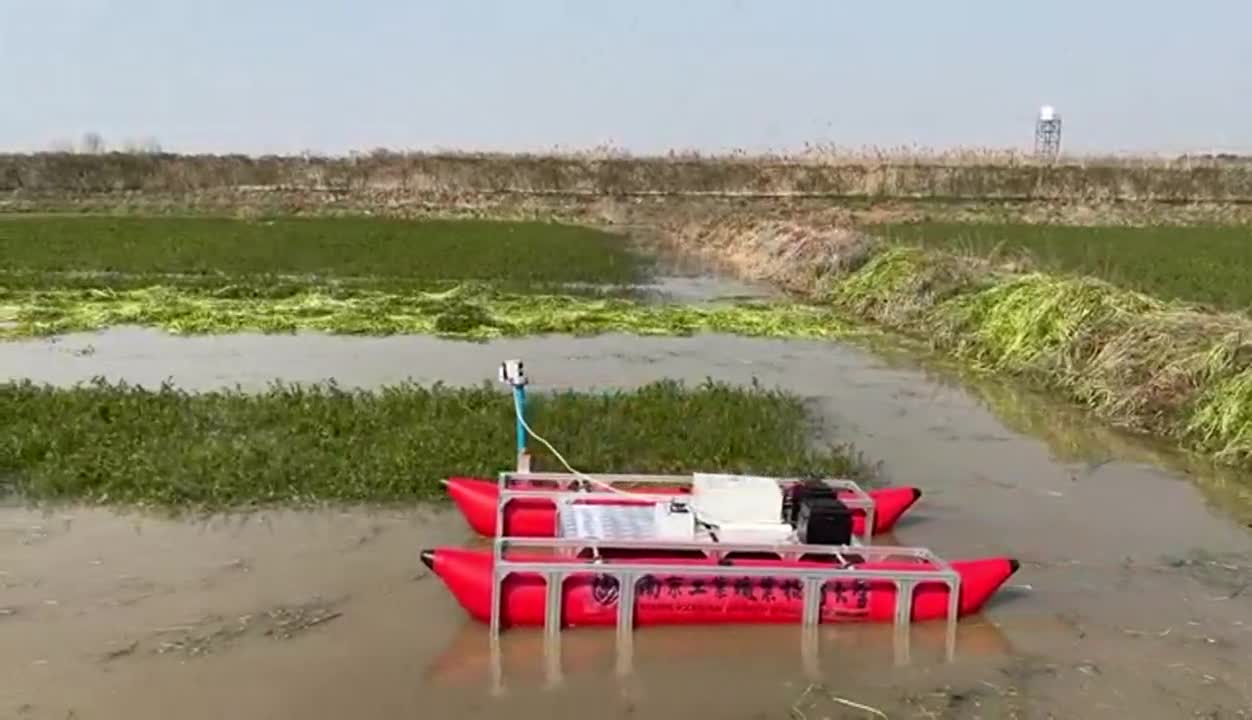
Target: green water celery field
[1202, 263]
[306, 444]
[1140, 362]
[462, 279]
[248, 255]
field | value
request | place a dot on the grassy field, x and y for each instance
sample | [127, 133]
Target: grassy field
[1198, 264]
[120, 444]
[276, 257]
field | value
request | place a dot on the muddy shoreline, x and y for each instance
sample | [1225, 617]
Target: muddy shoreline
[1130, 600]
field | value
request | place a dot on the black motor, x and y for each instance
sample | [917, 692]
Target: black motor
[817, 514]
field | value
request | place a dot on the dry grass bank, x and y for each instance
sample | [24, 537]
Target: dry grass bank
[949, 177]
[639, 211]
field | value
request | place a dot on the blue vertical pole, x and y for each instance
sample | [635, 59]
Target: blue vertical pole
[519, 396]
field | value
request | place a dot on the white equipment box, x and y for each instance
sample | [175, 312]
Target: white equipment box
[740, 508]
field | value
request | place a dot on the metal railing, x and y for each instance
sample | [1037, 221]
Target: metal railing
[853, 496]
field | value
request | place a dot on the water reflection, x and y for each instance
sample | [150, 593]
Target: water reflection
[1072, 435]
[526, 657]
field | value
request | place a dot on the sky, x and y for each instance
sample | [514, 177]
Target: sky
[330, 76]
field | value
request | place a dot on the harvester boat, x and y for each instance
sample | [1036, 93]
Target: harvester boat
[572, 549]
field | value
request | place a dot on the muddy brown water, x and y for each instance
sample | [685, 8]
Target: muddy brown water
[1133, 599]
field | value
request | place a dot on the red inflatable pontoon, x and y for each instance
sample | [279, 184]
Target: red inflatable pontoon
[535, 517]
[718, 598]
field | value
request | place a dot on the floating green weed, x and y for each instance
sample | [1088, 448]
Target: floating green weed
[292, 443]
[466, 312]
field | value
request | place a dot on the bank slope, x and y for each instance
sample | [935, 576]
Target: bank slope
[1142, 363]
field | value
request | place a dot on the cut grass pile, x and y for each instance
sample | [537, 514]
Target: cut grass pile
[1200, 264]
[304, 444]
[44, 252]
[1138, 361]
[465, 312]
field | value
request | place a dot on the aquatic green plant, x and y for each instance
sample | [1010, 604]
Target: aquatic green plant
[467, 312]
[109, 443]
[48, 252]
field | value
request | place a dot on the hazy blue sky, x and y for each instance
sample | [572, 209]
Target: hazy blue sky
[333, 75]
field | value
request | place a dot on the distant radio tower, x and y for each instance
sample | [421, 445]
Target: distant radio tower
[1048, 133]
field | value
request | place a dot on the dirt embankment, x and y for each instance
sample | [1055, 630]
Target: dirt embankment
[610, 210]
[387, 178]
[632, 192]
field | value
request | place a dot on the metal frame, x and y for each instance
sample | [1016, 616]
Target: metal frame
[1048, 137]
[628, 573]
[858, 500]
